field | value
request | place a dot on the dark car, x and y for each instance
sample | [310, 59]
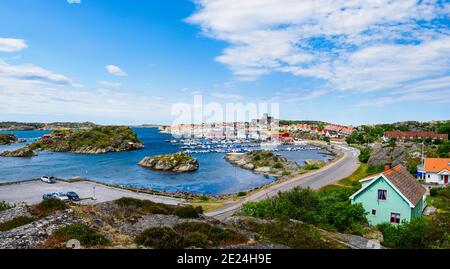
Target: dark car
[48, 196]
[73, 196]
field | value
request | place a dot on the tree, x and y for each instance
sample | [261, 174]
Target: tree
[443, 150]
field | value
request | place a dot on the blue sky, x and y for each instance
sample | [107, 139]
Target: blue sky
[128, 62]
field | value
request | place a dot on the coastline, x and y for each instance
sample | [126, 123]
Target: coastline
[198, 198]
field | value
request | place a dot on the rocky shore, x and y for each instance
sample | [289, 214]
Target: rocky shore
[24, 152]
[178, 162]
[264, 162]
[6, 139]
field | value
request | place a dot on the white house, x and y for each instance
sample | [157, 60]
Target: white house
[435, 170]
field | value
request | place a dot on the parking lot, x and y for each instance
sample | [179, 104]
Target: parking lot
[31, 192]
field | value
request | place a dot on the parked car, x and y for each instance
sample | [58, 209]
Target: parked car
[48, 179]
[56, 195]
[73, 196]
[48, 196]
[62, 196]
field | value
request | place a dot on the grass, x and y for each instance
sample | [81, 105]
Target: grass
[16, 222]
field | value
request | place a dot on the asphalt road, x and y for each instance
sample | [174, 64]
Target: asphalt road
[31, 192]
[329, 174]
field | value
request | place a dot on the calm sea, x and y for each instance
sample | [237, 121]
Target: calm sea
[215, 175]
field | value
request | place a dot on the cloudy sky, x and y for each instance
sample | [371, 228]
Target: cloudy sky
[128, 62]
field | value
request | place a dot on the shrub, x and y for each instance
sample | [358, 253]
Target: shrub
[311, 166]
[242, 193]
[216, 235]
[187, 212]
[278, 165]
[4, 206]
[329, 208]
[160, 238]
[364, 155]
[48, 206]
[16, 222]
[196, 239]
[86, 235]
[204, 198]
[434, 192]
[409, 235]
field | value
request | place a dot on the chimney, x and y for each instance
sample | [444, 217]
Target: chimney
[387, 166]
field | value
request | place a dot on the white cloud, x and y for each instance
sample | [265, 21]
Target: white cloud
[115, 70]
[362, 46]
[228, 96]
[12, 44]
[74, 1]
[32, 90]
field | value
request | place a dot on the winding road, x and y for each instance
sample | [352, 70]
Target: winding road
[331, 173]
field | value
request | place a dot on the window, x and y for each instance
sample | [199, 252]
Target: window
[382, 195]
[395, 218]
[374, 212]
[428, 175]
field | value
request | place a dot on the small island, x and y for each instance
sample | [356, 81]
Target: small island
[264, 162]
[177, 162]
[98, 140]
[24, 152]
[6, 139]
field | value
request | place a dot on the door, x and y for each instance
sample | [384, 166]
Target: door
[446, 179]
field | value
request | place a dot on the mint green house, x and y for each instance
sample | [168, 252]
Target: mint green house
[393, 196]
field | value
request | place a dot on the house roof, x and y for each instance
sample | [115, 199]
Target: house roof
[436, 164]
[402, 181]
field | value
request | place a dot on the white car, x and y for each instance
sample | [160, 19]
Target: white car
[48, 179]
[61, 196]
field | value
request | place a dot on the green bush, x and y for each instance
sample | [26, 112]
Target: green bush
[196, 239]
[242, 193]
[149, 207]
[48, 206]
[16, 222]
[187, 212]
[434, 192]
[4, 206]
[329, 209]
[86, 235]
[215, 235]
[311, 166]
[364, 155]
[408, 235]
[278, 165]
[160, 238]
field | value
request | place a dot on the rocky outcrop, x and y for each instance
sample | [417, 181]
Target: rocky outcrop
[31, 235]
[178, 162]
[382, 154]
[17, 211]
[6, 139]
[25, 152]
[314, 162]
[263, 162]
[98, 140]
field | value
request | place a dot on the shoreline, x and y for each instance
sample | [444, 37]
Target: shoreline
[189, 196]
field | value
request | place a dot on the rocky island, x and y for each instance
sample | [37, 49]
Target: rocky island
[24, 152]
[264, 162]
[177, 162]
[98, 140]
[6, 139]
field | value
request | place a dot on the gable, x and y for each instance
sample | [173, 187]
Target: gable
[380, 182]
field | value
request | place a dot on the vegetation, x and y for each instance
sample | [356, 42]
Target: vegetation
[16, 222]
[12, 125]
[188, 235]
[443, 150]
[4, 206]
[328, 208]
[424, 232]
[48, 207]
[87, 236]
[149, 207]
[106, 138]
[7, 139]
[292, 234]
